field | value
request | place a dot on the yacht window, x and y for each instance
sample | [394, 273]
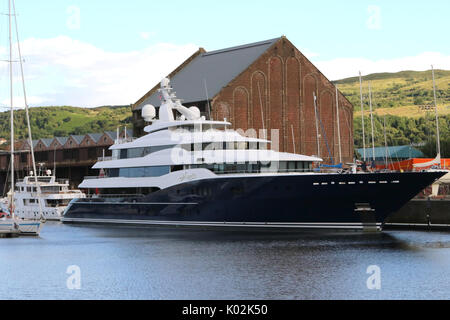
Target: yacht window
[291, 166]
[241, 167]
[144, 172]
[253, 145]
[115, 154]
[52, 189]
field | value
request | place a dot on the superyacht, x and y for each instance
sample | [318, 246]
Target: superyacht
[193, 172]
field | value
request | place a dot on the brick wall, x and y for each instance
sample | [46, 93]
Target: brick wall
[279, 87]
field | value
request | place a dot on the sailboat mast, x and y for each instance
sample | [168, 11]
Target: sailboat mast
[371, 122]
[30, 138]
[362, 116]
[317, 126]
[385, 142]
[437, 116]
[338, 125]
[12, 110]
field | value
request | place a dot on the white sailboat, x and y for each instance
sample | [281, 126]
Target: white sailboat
[24, 226]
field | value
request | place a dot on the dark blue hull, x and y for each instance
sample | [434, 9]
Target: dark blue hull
[295, 201]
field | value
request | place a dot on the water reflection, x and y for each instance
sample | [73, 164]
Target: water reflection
[159, 263]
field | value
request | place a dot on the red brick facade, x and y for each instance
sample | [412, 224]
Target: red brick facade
[279, 87]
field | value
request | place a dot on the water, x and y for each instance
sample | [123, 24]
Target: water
[130, 263]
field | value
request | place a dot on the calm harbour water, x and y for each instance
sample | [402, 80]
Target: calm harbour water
[131, 263]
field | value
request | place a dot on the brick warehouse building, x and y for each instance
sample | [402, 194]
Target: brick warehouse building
[268, 84]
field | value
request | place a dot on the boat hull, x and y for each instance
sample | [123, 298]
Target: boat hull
[29, 228]
[314, 201]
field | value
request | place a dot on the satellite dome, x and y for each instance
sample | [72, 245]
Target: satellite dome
[148, 112]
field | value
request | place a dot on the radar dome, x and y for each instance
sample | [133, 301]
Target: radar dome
[148, 112]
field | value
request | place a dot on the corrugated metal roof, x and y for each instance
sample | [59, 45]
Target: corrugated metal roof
[396, 152]
[217, 68]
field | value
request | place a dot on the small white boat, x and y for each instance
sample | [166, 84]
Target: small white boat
[11, 224]
[29, 227]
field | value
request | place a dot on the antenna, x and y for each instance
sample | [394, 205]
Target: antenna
[362, 116]
[338, 125]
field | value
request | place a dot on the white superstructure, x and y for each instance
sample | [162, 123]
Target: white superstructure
[54, 197]
[182, 146]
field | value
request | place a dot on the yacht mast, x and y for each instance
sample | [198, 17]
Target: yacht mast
[371, 122]
[338, 125]
[30, 138]
[362, 116]
[12, 111]
[385, 142]
[317, 126]
[437, 118]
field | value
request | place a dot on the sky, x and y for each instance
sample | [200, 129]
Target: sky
[98, 52]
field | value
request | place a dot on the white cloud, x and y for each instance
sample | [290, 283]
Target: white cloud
[63, 71]
[340, 68]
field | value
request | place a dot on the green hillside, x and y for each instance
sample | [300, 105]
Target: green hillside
[401, 97]
[48, 122]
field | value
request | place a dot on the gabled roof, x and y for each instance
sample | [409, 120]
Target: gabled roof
[47, 142]
[78, 138]
[62, 140]
[397, 152]
[216, 68]
[95, 136]
[113, 134]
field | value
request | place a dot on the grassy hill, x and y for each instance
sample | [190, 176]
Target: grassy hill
[48, 122]
[400, 94]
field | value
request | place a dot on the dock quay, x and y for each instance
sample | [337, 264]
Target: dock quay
[422, 214]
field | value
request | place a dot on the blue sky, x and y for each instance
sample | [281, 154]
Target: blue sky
[328, 28]
[376, 35]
